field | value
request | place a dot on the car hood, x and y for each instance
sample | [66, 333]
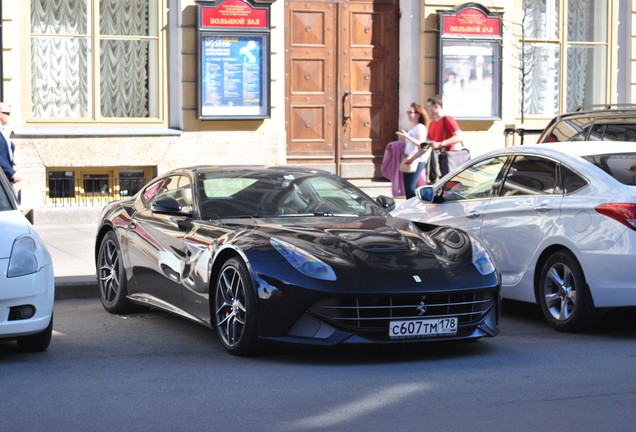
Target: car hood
[372, 234]
[13, 224]
[379, 242]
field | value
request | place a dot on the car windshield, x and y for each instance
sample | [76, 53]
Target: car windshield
[621, 166]
[258, 194]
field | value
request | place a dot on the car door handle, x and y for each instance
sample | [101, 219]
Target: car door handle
[473, 215]
[542, 209]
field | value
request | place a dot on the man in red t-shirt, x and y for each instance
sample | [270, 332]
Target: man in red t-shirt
[443, 131]
[443, 134]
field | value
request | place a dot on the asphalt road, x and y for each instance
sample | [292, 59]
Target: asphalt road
[153, 371]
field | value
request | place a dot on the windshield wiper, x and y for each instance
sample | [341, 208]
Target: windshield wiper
[329, 214]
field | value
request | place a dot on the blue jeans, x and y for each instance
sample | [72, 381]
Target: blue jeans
[411, 179]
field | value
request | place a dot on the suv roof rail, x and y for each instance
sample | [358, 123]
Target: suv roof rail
[597, 107]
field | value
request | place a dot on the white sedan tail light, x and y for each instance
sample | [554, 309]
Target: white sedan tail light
[624, 213]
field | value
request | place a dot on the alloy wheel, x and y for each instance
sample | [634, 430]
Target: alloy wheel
[559, 290]
[231, 308]
[563, 293]
[109, 272]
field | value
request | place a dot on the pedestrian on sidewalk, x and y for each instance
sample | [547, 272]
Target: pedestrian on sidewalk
[413, 139]
[7, 148]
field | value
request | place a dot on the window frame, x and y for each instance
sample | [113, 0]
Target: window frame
[157, 9]
[561, 42]
[521, 182]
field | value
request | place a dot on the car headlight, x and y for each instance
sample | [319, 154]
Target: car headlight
[302, 261]
[481, 258]
[23, 260]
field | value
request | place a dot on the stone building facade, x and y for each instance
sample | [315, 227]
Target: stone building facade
[82, 150]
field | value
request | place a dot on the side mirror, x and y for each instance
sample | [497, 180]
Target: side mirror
[386, 202]
[425, 193]
[168, 206]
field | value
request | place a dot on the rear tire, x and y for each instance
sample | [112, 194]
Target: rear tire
[563, 294]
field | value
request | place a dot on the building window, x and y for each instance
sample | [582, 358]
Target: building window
[96, 60]
[564, 38]
[61, 184]
[131, 182]
[95, 186]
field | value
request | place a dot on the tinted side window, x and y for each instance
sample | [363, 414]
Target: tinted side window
[531, 175]
[571, 129]
[621, 166]
[150, 191]
[5, 201]
[616, 131]
[178, 188]
[571, 180]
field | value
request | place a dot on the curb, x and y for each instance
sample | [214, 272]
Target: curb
[73, 287]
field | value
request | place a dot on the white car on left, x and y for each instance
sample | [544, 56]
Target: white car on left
[27, 282]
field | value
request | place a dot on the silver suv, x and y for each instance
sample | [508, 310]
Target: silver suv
[593, 123]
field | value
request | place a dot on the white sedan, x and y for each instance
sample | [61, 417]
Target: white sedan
[559, 219]
[27, 283]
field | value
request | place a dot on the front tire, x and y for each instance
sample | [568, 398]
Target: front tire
[565, 300]
[235, 308]
[37, 342]
[111, 277]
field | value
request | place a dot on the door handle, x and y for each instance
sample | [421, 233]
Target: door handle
[542, 209]
[473, 215]
[347, 96]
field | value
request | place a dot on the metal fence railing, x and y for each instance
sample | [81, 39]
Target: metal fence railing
[510, 132]
[91, 190]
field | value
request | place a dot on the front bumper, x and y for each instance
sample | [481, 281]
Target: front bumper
[365, 320]
[37, 290]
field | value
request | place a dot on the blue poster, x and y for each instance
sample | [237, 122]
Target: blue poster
[232, 75]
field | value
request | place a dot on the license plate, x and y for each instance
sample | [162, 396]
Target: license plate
[423, 328]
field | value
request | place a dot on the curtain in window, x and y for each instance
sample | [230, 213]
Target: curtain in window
[61, 68]
[123, 62]
[579, 29]
[541, 60]
[59, 63]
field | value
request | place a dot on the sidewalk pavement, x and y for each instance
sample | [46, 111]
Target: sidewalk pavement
[72, 248]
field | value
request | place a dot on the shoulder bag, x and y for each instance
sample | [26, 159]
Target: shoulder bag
[450, 160]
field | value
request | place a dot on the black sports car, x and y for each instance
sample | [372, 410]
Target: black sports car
[292, 255]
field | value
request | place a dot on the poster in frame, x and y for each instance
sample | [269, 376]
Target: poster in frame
[234, 74]
[470, 62]
[470, 79]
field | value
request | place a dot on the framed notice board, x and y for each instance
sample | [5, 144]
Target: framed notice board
[470, 62]
[234, 52]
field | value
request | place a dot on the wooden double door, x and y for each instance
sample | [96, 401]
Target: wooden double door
[341, 70]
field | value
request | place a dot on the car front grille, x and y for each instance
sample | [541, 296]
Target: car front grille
[375, 313]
